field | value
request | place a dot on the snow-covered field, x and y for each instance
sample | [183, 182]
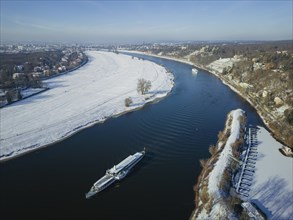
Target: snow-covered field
[79, 99]
[30, 91]
[272, 188]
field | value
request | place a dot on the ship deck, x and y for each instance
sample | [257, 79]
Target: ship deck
[107, 179]
[127, 161]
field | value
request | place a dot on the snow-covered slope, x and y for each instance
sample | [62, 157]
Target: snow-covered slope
[221, 64]
[219, 208]
[218, 170]
[222, 163]
[272, 188]
[78, 99]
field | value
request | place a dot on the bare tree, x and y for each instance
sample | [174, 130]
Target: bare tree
[19, 95]
[9, 97]
[128, 102]
[143, 86]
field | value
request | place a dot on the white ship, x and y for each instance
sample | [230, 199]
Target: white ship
[194, 71]
[117, 172]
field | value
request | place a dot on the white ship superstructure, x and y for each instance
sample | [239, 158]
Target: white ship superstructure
[117, 172]
[194, 71]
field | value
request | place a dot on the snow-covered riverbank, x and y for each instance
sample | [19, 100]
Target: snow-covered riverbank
[79, 99]
[267, 181]
[210, 194]
[272, 187]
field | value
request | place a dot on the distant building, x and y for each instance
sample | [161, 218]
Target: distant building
[17, 75]
[37, 69]
[38, 74]
[46, 72]
[259, 66]
[278, 101]
[245, 85]
[61, 69]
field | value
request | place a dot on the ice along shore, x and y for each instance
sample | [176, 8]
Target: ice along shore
[78, 100]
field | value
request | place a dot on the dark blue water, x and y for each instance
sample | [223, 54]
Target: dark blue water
[51, 183]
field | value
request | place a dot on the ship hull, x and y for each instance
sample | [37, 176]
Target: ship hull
[118, 172]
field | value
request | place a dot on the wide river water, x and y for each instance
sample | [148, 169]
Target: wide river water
[51, 183]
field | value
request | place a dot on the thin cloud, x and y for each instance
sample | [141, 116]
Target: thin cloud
[34, 25]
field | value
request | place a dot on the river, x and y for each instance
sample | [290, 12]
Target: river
[51, 183]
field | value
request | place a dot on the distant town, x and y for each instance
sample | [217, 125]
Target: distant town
[23, 67]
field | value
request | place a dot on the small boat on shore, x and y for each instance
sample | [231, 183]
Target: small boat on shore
[194, 71]
[117, 172]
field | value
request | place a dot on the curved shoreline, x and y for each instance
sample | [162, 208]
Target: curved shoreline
[257, 108]
[91, 124]
[167, 83]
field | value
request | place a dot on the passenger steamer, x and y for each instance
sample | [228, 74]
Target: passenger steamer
[117, 172]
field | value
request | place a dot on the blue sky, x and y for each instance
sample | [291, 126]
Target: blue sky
[145, 21]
